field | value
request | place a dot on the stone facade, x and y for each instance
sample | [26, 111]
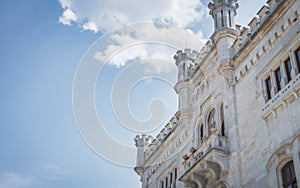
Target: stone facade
[238, 122]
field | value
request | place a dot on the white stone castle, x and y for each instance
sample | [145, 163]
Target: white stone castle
[238, 120]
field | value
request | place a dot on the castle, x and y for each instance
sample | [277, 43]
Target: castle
[238, 120]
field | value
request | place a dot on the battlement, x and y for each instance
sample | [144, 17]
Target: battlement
[143, 140]
[215, 4]
[187, 54]
[162, 136]
[256, 22]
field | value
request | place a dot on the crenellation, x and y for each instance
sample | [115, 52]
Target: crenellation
[245, 33]
[263, 12]
[254, 24]
[273, 4]
[143, 140]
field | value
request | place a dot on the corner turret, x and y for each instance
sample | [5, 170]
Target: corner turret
[185, 60]
[141, 142]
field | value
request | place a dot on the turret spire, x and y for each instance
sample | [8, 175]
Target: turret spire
[223, 13]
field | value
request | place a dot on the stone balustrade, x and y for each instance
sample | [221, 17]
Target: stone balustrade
[214, 142]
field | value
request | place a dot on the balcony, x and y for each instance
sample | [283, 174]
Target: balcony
[208, 164]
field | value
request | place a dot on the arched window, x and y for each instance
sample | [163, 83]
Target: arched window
[222, 120]
[211, 121]
[289, 176]
[200, 133]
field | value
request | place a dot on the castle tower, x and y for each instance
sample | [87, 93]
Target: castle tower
[223, 13]
[184, 61]
[141, 142]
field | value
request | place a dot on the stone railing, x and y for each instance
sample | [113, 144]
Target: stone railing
[215, 141]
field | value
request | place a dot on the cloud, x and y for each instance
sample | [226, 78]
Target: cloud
[144, 41]
[167, 20]
[106, 15]
[15, 180]
[65, 3]
[68, 17]
[92, 26]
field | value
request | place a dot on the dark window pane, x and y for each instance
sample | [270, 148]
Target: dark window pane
[297, 53]
[222, 120]
[269, 86]
[288, 67]
[288, 175]
[201, 132]
[166, 181]
[292, 172]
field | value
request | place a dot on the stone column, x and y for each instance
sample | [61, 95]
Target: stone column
[284, 76]
[295, 68]
[274, 88]
[265, 92]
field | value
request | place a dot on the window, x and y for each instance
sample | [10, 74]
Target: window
[289, 176]
[161, 184]
[167, 182]
[288, 68]
[222, 120]
[268, 88]
[230, 25]
[211, 120]
[222, 17]
[297, 53]
[171, 178]
[175, 173]
[201, 132]
[278, 78]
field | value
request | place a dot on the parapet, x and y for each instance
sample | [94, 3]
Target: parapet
[258, 21]
[187, 54]
[143, 140]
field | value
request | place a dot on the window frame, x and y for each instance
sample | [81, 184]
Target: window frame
[297, 55]
[291, 170]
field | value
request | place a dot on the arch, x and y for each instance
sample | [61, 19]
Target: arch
[283, 155]
[211, 120]
[198, 131]
[285, 165]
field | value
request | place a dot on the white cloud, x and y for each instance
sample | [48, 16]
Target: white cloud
[92, 26]
[65, 3]
[110, 14]
[68, 17]
[144, 41]
[15, 180]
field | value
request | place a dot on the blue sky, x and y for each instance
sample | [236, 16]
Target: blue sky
[41, 145]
